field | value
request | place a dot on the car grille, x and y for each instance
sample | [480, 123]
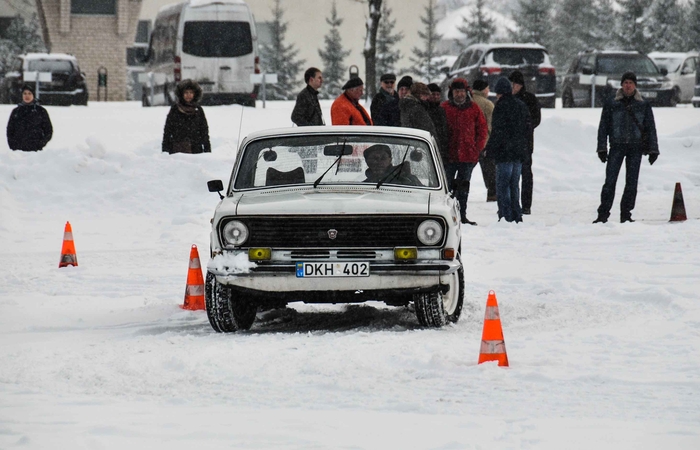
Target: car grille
[350, 231]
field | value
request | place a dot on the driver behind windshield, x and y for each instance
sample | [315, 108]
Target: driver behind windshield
[379, 167]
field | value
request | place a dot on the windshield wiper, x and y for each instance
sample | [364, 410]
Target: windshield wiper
[337, 161]
[396, 171]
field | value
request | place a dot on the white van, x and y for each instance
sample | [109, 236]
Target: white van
[213, 42]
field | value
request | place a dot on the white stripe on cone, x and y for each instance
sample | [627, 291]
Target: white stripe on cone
[493, 347]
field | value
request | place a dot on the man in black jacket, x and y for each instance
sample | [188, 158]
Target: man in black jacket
[386, 93]
[437, 115]
[533, 106]
[307, 110]
[29, 127]
[628, 123]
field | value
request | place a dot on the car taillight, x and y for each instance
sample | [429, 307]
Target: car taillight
[177, 70]
[491, 70]
[257, 64]
[547, 71]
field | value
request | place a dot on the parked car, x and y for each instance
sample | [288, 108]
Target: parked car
[491, 61]
[67, 85]
[681, 68]
[303, 219]
[608, 67]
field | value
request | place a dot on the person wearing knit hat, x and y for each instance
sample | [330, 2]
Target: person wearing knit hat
[533, 105]
[29, 127]
[404, 86]
[627, 122]
[508, 146]
[385, 94]
[346, 109]
[467, 133]
[480, 96]
[413, 107]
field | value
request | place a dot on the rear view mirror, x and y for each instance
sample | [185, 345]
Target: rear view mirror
[416, 155]
[270, 155]
[337, 150]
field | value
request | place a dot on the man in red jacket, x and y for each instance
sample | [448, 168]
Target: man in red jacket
[467, 137]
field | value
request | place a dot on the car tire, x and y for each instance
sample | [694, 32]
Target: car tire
[567, 100]
[435, 310]
[227, 311]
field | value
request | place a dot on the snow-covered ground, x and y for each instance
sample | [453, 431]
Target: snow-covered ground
[602, 322]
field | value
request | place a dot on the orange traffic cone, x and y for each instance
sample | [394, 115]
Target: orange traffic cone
[678, 207]
[68, 256]
[493, 346]
[194, 291]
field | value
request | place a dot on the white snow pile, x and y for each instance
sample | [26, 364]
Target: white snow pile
[601, 322]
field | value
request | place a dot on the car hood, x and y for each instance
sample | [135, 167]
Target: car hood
[335, 201]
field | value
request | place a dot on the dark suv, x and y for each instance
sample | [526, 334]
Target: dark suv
[608, 66]
[491, 61]
[67, 85]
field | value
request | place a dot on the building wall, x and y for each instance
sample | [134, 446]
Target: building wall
[96, 40]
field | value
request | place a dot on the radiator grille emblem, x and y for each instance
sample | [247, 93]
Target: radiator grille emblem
[332, 234]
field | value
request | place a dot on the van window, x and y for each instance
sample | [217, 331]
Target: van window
[42, 65]
[217, 39]
[626, 63]
[465, 58]
[517, 56]
[476, 56]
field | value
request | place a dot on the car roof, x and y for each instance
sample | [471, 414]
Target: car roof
[506, 45]
[340, 129]
[55, 56]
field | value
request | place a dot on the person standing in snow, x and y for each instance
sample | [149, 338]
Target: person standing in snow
[386, 93]
[508, 145]
[414, 113]
[437, 115]
[307, 109]
[467, 137]
[390, 114]
[480, 96]
[186, 129]
[29, 127]
[346, 109]
[628, 123]
[533, 106]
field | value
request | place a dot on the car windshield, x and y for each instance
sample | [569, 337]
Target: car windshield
[346, 159]
[47, 65]
[670, 64]
[626, 63]
[517, 56]
[217, 39]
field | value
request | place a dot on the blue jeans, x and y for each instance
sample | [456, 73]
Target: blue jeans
[463, 173]
[508, 191]
[632, 157]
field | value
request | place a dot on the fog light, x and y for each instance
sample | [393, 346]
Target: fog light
[405, 253]
[259, 254]
[448, 253]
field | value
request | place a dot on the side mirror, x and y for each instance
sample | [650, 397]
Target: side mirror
[587, 71]
[664, 71]
[445, 70]
[216, 186]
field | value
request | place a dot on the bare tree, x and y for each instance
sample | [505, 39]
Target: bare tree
[370, 50]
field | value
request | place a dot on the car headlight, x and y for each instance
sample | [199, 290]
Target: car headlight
[615, 84]
[429, 232]
[235, 233]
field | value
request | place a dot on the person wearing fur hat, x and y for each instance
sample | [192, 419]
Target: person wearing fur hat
[627, 122]
[467, 136]
[480, 96]
[29, 127]
[346, 109]
[414, 112]
[186, 129]
[533, 106]
[508, 145]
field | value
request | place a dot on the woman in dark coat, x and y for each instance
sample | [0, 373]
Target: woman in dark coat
[29, 127]
[186, 129]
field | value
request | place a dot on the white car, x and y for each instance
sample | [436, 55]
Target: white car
[336, 214]
[682, 68]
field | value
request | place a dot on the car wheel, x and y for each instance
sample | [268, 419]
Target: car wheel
[567, 100]
[435, 310]
[227, 311]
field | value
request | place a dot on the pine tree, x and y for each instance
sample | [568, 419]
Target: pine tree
[631, 23]
[333, 55]
[666, 26]
[427, 60]
[533, 20]
[387, 54]
[20, 37]
[281, 59]
[694, 25]
[480, 27]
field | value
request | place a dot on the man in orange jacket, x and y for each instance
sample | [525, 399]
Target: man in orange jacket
[346, 109]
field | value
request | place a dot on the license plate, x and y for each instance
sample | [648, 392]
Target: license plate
[648, 94]
[325, 269]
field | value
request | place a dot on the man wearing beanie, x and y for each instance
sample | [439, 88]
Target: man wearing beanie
[29, 127]
[390, 114]
[386, 93]
[508, 145]
[627, 122]
[414, 113]
[480, 96]
[346, 109]
[516, 77]
[437, 115]
[467, 136]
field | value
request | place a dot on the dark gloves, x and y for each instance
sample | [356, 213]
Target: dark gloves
[603, 155]
[653, 157]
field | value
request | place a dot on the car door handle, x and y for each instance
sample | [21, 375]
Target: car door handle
[224, 68]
